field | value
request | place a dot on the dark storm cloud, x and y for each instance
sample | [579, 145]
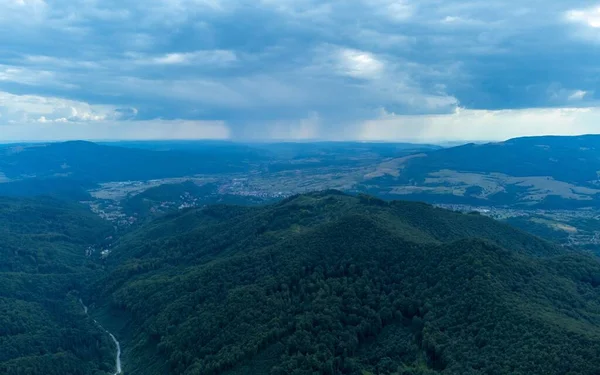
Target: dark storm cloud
[278, 68]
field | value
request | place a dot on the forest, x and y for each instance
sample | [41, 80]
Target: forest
[43, 328]
[327, 283]
[321, 283]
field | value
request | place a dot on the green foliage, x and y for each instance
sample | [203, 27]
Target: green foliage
[331, 284]
[539, 229]
[322, 283]
[574, 160]
[43, 329]
[165, 198]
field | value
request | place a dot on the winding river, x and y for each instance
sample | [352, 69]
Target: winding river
[117, 344]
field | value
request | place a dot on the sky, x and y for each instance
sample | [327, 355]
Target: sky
[372, 70]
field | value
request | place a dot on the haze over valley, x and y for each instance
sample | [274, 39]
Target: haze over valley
[299, 187]
[526, 181]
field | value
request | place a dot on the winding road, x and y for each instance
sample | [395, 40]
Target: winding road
[117, 344]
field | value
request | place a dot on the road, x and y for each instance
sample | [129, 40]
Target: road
[114, 339]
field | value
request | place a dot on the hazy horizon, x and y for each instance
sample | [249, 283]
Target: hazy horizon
[273, 141]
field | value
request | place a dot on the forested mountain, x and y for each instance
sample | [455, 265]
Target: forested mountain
[541, 172]
[322, 283]
[333, 284]
[569, 159]
[100, 163]
[534, 172]
[43, 266]
[70, 169]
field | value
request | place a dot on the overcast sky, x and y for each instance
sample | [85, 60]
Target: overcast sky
[426, 70]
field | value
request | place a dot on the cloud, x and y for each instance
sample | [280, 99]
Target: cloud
[304, 129]
[578, 95]
[297, 69]
[31, 108]
[588, 17]
[35, 118]
[359, 64]
[481, 125]
[209, 57]
[115, 130]
[395, 10]
[587, 22]
[29, 77]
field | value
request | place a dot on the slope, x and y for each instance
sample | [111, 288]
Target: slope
[552, 172]
[333, 284]
[69, 168]
[170, 197]
[43, 329]
[570, 159]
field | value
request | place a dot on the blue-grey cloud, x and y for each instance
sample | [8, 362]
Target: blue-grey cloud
[279, 68]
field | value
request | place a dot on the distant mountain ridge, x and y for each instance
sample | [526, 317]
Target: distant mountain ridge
[71, 168]
[570, 159]
[100, 163]
[543, 172]
[550, 171]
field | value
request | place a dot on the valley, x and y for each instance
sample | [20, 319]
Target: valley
[274, 187]
[541, 199]
[575, 228]
[305, 263]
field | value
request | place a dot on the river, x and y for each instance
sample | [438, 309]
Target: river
[114, 339]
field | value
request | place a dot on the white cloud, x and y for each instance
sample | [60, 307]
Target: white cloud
[115, 130]
[21, 8]
[310, 10]
[394, 10]
[33, 118]
[27, 2]
[359, 64]
[50, 61]
[589, 17]
[206, 58]
[558, 94]
[379, 80]
[37, 109]
[587, 23]
[477, 125]
[577, 95]
[461, 21]
[32, 77]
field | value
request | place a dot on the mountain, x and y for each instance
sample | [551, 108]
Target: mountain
[71, 166]
[334, 284]
[569, 159]
[71, 169]
[101, 163]
[550, 172]
[534, 172]
[43, 328]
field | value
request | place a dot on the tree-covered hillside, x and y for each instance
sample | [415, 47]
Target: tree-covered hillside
[331, 284]
[43, 266]
[100, 163]
[543, 172]
[571, 159]
[69, 169]
[171, 197]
